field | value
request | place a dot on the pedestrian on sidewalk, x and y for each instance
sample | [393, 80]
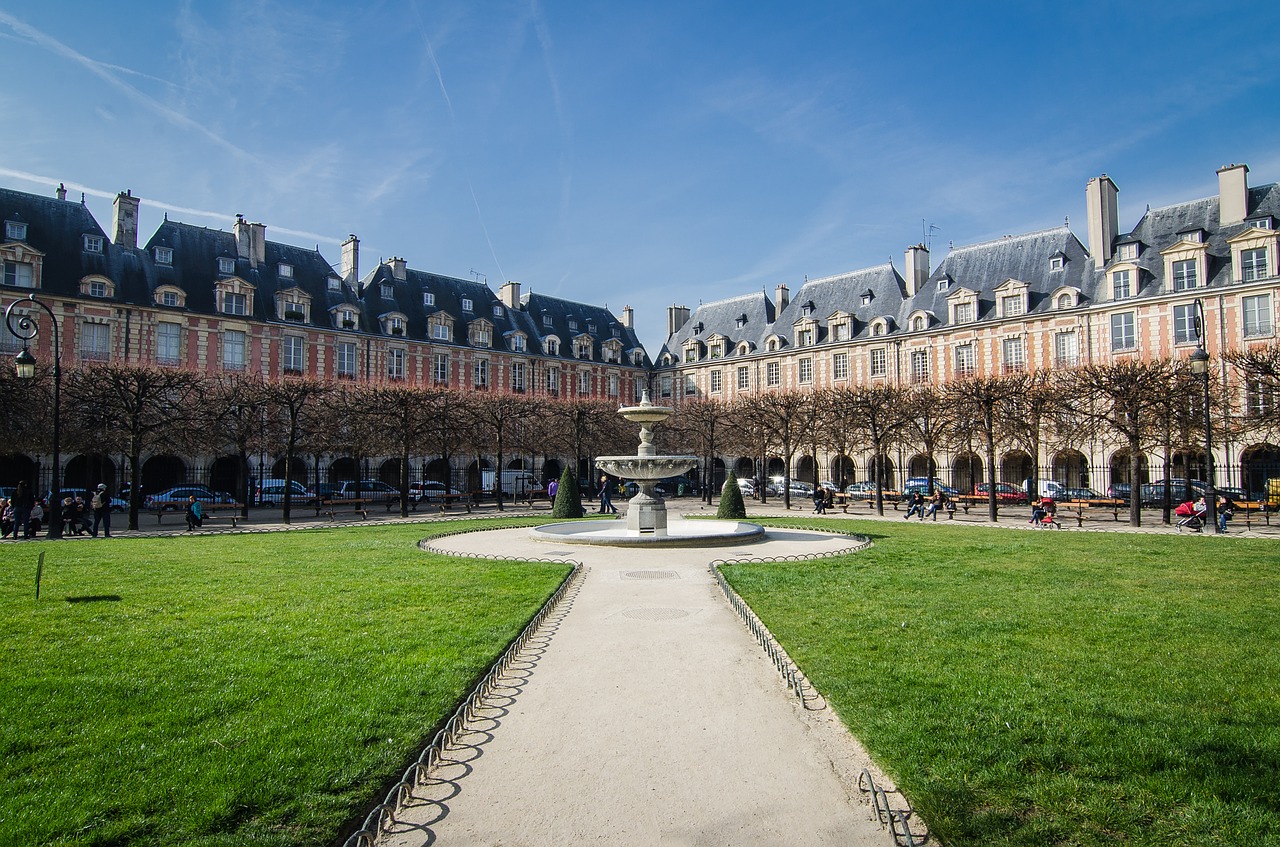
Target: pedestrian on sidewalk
[606, 497]
[101, 504]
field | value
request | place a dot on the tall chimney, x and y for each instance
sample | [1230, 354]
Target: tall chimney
[258, 236]
[509, 294]
[1100, 208]
[244, 246]
[126, 220]
[781, 297]
[350, 268]
[917, 268]
[398, 268]
[628, 317]
[1233, 194]
[61, 193]
[677, 316]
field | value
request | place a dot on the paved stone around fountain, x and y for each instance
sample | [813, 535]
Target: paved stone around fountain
[650, 718]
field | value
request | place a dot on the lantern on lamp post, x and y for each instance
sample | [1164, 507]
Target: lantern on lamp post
[24, 326]
[1199, 361]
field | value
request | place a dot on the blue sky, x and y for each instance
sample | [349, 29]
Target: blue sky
[644, 154]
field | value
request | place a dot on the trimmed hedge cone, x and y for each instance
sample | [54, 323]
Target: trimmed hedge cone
[731, 505]
[568, 499]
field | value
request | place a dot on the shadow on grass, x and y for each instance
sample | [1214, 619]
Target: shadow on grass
[96, 598]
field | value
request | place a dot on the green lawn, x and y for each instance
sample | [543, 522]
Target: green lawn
[236, 689]
[1050, 688]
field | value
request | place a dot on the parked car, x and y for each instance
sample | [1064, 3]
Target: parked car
[1153, 492]
[1118, 491]
[1079, 494]
[867, 488]
[1005, 492]
[270, 492]
[1051, 488]
[747, 487]
[117, 505]
[431, 491]
[175, 499]
[921, 484]
[374, 490]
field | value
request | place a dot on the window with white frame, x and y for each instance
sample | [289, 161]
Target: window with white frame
[1185, 275]
[744, 378]
[1256, 312]
[15, 231]
[440, 368]
[1129, 251]
[1065, 300]
[1253, 264]
[168, 343]
[553, 382]
[19, 274]
[548, 320]
[919, 365]
[481, 334]
[690, 385]
[1121, 284]
[964, 312]
[428, 299]
[879, 363]
[396, 325]
[97, 288]
[335, 284]
[285, 270]
[291, 354]
[772, 373]
[1057, 263]
[804, 338]
[395, 363]
[517, 376]
[1066, 349]
[917, 323]
[169, 298]
[467, 305]
[964, 360]
[582, 348]
[386, 291]
[717, 381]
[664, 386]
[95, 342]
[584, 383]
[347, 319]
[806, 371]
[345, 359]
[553, 346]
[440, 331]
[164, 255]
[1014, 354]
[497, 310]
[93, 243]
[233, 350]
[480, 374]
[840, 331]
[1185, 329]
[1012, 305]
[234, 303]
[517, 343]
[1259, 399]
[226, 265]
[840, 366]
[1123, 331]
[613, 385]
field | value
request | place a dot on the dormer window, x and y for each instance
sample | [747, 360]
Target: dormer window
[807, 309]
[93, 244]
[482, 334]
[234, 303]
[497, 311]
[428, 299]
[169, 298]
[334, 284]
[1129, 251]
[517, 343]
[1259, 223]
[15, 231]
[1185, 274]
[294, 311]
[868, 296]
[573, 324]
[963, 313]
[552, 346]
[1057, 263]
[225, 265]
[1065, 301]
[386, 291]
[396, 325]
[547, 320]
[943, 285]
[591, 328]
[582, 348]
[919, 323]
[347, 319]
[840, 331]
[98, 288]
[1012, 305]
[804, 337]
[164, 255]
[467, 305]
[1195, 236]
[439, 327]
[285, 270]
[741, 321]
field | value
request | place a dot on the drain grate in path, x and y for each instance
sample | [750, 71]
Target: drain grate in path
[650, 575]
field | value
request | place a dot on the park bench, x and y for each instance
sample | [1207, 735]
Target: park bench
[1250, 511]
[210, 511]
[330, 506]
[1079, 509]
[447, 500]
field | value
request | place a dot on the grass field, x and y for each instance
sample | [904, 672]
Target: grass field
[1050, 688]
[237, 689]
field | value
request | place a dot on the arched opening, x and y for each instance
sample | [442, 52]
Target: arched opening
[1015, 467]
[15, 468]
[1259, 463]
[161, 472]
[1119, 468]
[1071, 468]
[843, 471]
[517, 464]
[300, 474]
[717, 474]
[226, 474]
[552, 469]
[805, 469]
[881, 467]
[918, 465]
[473, 473]
[966, 472]
[389, 472]
[776, 467]
[342, 470]
[1188, 464]
[745, 469]
[89, 469]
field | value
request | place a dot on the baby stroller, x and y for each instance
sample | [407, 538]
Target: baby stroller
[1044, 513]
[1189, 516]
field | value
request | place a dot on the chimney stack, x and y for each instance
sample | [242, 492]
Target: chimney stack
[677, 316]
[61, 193]
[917, 268]
[628, 317]
[126, 219]
[1104, 219]
[509, 294]
[350, 268]
[1233, 194]
[251, 241]
[398, 268]
[781, 297]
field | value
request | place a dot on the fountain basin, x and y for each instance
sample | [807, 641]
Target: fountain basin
[646, 467]
[681, 533]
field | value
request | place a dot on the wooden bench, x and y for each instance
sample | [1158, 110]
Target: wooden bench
[209, 511]
[1249, 510]
[330, 506]
[1079, 508]
[447, 500]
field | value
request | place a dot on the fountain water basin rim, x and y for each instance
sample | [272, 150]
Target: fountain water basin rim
[680, 533]
[646, 467]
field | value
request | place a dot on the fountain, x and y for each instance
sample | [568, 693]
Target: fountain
[647, 512]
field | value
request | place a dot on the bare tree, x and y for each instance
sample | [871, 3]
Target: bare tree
[977, 403]
[926, 424]
[403, 417]
[1259, 369]
[496, 417]
[880, 413]
[231, 413]
[1028, 411]
[294, 404]
[700, 426]
[781, 419]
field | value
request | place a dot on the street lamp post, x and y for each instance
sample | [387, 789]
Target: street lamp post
[24, 326]
[1200, 367]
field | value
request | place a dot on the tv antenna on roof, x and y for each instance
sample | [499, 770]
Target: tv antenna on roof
[479, 276]
[926, 231]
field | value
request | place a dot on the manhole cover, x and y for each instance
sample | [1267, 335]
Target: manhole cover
[655, 614]
[650, 575]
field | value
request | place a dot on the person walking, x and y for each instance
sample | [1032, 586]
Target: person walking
[606, 497]
[101, 504]
[552, 487]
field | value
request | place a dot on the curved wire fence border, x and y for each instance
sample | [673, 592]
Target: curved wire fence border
[897, 821]
[383, 815]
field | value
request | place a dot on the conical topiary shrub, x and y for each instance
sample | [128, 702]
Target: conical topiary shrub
[731, 505]
[568, 500]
